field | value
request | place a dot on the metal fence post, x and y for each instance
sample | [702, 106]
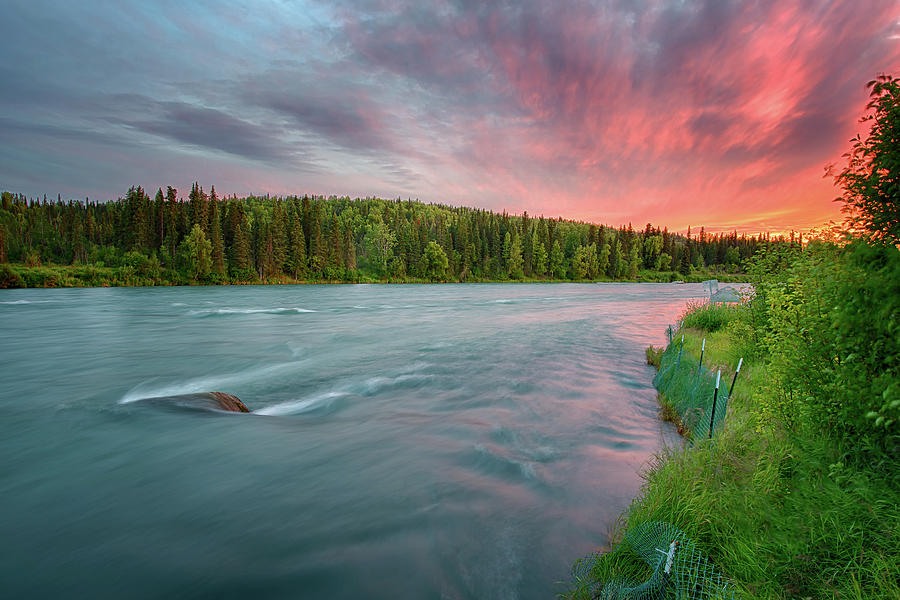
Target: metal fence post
[733, 381]
[712, 417]
[702, 350]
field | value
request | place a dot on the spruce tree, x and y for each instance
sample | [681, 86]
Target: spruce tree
[515, 262]
[557, 261]
[349, 249]
[298, 249]
[685, 266]
[215, 234]
[241, 251]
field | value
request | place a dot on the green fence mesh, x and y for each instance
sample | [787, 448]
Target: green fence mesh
[679, 569]
[690, 389]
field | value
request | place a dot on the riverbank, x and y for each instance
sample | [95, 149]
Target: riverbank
[54, 276]
[779, 508]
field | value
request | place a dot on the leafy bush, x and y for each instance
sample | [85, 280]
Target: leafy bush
[830, 323]
[91, 275]
[9, 278]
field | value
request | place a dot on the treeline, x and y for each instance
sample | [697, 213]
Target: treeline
[207, 239]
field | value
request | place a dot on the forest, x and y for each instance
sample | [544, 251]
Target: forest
[165, 240]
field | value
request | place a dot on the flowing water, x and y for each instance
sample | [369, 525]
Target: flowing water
[409, 441]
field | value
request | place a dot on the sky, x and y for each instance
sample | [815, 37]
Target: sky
[716, 113]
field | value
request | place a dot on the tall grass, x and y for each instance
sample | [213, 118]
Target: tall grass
[708, 316]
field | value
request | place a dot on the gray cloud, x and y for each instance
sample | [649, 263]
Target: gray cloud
[213, 129]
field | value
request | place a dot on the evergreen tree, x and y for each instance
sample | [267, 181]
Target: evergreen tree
[159, 214]
[242, 255]
[615, 259]
[279, 240]
[540, 255]
[197, 207]
[603, 259]
[215, 234]
[317, 249]
[298, 249]
[349, 249]
[335, 247]
[685, 266]
[172, 236]
[515, 263]
[557, 261]
[507, 246]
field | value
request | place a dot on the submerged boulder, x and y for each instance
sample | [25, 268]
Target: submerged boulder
[229, 402]
[217, 401]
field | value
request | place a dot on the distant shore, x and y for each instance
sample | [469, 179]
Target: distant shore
[70, 276]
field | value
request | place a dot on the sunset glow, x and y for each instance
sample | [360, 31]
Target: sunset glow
[721, 113]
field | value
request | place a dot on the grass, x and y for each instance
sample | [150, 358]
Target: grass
[708, 316]
[782, 515]
[654, 355]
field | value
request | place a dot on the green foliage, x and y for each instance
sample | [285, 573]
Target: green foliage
[436, 262]
[541, 258]
[585, 263]
[829, 323]
[379, 243]
[9, 278]
[684, 266]
[557, 261]
[654, 355]
[32, 258]
[663, 262]
[196, 255]
[634, 261]
[871, 179]
[514, 262]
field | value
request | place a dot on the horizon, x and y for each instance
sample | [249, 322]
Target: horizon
[712, 114]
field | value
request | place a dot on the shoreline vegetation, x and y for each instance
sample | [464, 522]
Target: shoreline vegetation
[798, 495]
[81, 276]
[142, 241]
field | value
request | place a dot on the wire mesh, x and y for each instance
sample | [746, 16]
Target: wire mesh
[679, 569]
[689, 388]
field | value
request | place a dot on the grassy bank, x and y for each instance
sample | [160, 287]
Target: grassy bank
[147, 273]
[781, 507]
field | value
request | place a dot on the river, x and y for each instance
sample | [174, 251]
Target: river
[409, 441]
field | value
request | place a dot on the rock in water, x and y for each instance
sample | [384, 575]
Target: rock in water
[203, 401]
[229, 402]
